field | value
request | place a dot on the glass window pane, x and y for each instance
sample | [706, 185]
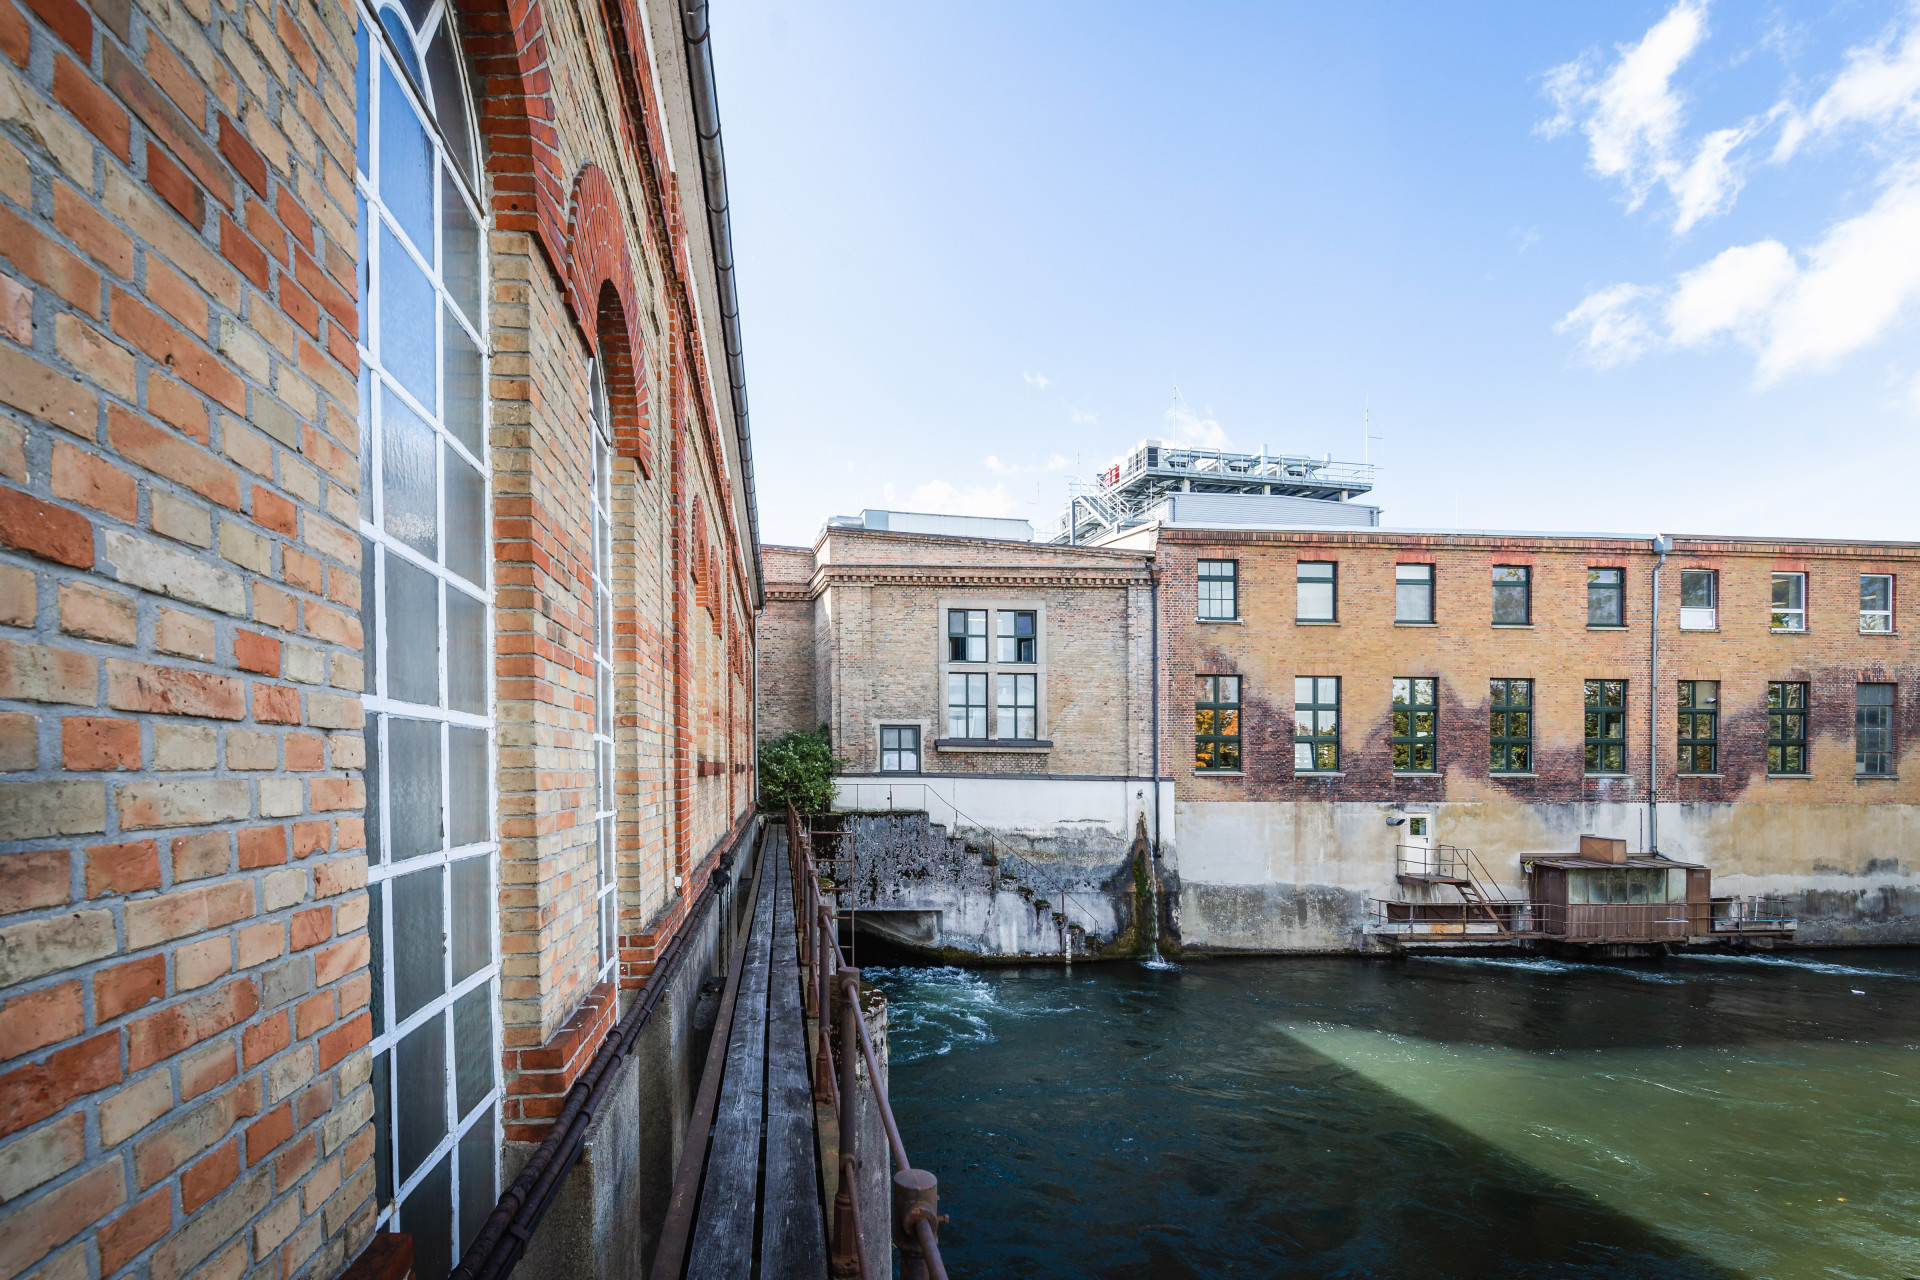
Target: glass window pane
[1303, 689]
[406, 165]
[477, 1178]
[472, 1048]
[427, 1216]
[1329, 689]
[1696, 589]
[383, 1127]
[466, 653]
[363, 114]
[449, 106]
[413, 786]
[466, 519]
[407, 451]
[377, 949]
[407, 321]
[467, 779]
[472, 916]
[465, 403]
[376, 843]
[413, 633]
[419, 944]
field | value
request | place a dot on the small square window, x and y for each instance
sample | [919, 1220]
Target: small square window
[1017, 714]
[1219, 589]
[1413, 593]
[1316, 724]
[1873, 753]
[1216, 724]
[899, 748]
[1876, 602]
[1510, 726]
[1014, 633]
[1787, 727]
[1606, 597]
[1606, 726]
[1699, 599]
[966, 635]
[1699, 726]
[1789, 602]
[1512, 595]
[1416, 724]
[1316, 591]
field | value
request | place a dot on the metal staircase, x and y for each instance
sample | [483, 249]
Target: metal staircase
[1446, 864]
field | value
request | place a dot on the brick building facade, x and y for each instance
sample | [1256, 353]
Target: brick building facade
[1315, 681]
[377, 571]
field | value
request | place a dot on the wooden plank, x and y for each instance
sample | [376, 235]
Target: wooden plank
[793, 1239]
[724, 1233]
[669, 1259]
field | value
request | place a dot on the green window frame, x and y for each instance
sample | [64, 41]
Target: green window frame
[1787, 727]
[1316, 591]
[1873, 754]
[1316, 724]
[1216, 724]
[1606, 597]
[900, 748]
[1220, 590]
[1016, 639]
[966, 635]
[1510, 725]
[1606, 726]
[1512, 595]
[1413, 589]
[1416, 724]
[1699, 710]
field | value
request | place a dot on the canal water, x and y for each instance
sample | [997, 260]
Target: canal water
[1707, 1117]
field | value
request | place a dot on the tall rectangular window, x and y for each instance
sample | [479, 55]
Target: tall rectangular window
[1606, 726]
[1789, 602]
[1316, 591]
[1510, 726]
[601, 494]
[1416, 724]
[1219, 589]
[1786, 727]
[1876, 602]
[1413, 593]
[1606, 597]
[1699, 707]
[1873, 730]
[1015, 634]
[1699, 599]
[1216, 724]
[1316, 724]
[1016, 707]
[967, 704]
[1512, 595]
[900, 748]
[966, 635]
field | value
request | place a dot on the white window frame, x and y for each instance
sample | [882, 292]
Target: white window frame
[1697, 617]
[1877, 621]
[382, 548]
[1795, 616]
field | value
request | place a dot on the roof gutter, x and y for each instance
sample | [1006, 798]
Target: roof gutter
[695, 30]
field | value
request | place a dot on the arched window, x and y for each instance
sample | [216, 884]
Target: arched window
[600, 459]
[427, 615]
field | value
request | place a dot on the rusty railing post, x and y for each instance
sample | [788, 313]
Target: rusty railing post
[916, 1199]
[823, 1056]
[846, 1257]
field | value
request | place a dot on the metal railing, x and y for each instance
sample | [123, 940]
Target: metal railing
[916, 1192]
[1495, 919]
[1752, 915]
[999, 850]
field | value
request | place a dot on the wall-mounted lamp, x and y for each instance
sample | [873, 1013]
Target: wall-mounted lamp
[1396, 819]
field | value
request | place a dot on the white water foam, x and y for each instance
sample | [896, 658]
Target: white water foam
[1540, 964]
[1811, 966]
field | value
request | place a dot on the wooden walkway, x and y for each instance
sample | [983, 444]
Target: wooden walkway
[760, 1211]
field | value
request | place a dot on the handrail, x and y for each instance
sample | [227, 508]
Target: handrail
[961, 818]
[916, 1215]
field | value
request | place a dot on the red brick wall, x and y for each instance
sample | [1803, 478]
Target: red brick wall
[185, 989]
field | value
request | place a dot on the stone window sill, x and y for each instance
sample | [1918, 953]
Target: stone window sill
[1685, 776]
[1789, 631]
[992, 744]
[1606, 775]
[1893, 634]
[1411, 623]
[1316, 622]
[1219, 773]
[1229, 622]
[1596, 627]
[1416, 773]
[1319, 773]
[1513, 626]
[1502, 777]
[1790, 777]
[1876, 777]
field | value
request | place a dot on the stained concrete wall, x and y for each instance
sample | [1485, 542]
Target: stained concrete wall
[1298, 876]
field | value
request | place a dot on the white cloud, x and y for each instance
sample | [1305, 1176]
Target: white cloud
[1085, 417]
[1632, 118]
[1185, 427]
[1879, 85]
[1039, 380]
[943, 498]
[1615, 324]
[1058, 462]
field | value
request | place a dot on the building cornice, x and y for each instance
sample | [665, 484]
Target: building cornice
[975, 577]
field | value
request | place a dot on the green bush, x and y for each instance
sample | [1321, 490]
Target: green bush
[799, 766]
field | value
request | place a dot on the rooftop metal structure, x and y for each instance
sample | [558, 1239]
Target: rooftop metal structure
[1125, 492]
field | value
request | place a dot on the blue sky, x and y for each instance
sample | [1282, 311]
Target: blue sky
[1633, 267]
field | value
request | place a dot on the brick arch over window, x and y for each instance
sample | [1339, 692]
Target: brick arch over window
[506, 45]
[600, 290]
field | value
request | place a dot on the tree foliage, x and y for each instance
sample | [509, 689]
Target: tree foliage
[799, 766]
